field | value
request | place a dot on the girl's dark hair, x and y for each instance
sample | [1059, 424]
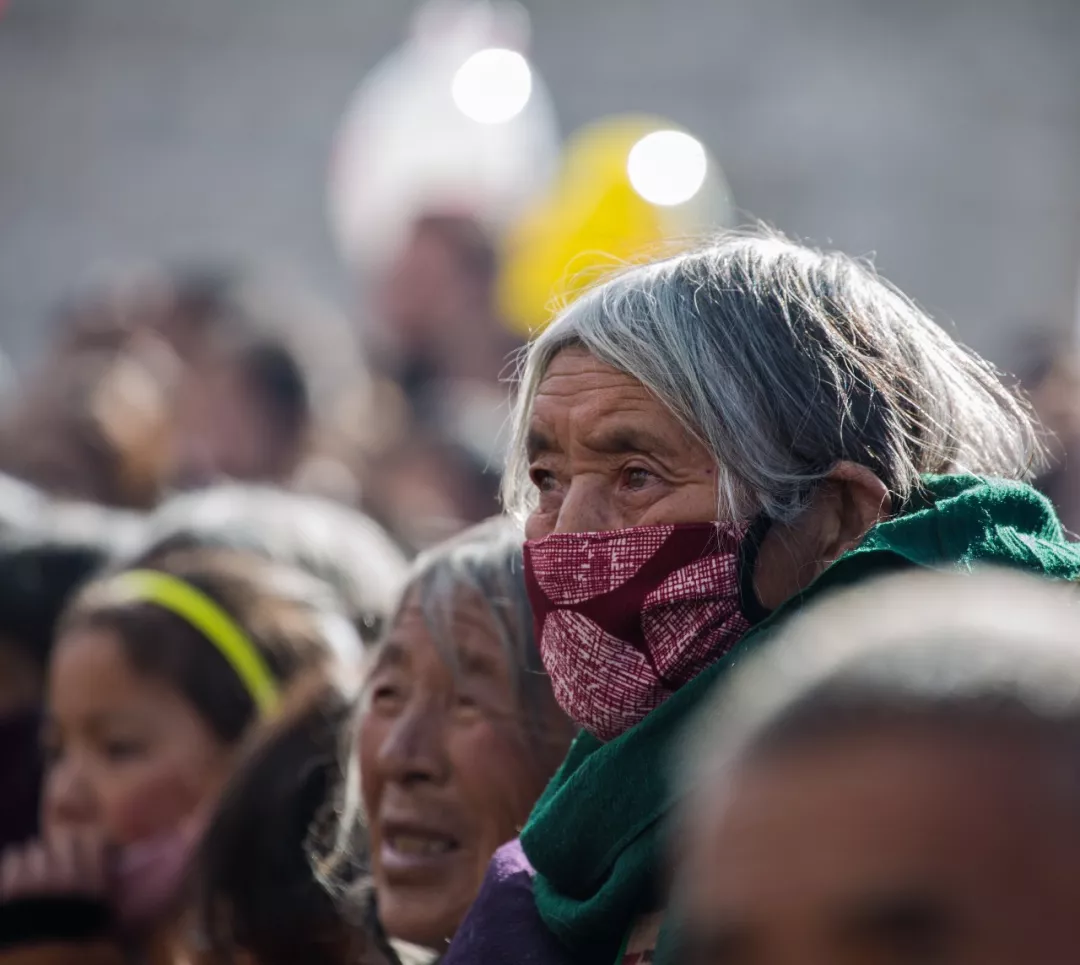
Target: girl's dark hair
[291, 620]
[254, 890]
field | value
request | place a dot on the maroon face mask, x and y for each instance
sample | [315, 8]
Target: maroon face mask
[624, 618]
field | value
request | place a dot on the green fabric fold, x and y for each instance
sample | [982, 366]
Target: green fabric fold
[595, 837]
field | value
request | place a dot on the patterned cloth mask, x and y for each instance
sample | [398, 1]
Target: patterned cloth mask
[624, 618]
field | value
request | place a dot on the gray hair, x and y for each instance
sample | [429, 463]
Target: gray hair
[487, 561]
[784, 360]
[994, 649]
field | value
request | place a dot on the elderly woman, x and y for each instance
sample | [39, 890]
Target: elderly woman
[459, 732]
[701, 445]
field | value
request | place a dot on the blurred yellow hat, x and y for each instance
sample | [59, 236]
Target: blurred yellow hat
[629, 186]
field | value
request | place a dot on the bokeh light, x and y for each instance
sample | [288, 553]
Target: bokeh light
[667, 167]
[493, 85]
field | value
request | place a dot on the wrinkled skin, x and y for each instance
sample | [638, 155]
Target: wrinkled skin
[605, 454]
[449, 772]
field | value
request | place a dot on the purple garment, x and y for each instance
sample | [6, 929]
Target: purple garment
[503, 925]
[20, 777]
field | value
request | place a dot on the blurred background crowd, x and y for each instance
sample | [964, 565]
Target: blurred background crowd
[221, 257]
[265, 270]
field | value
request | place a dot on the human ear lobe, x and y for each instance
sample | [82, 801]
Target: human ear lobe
[847, 504]
[862, 500]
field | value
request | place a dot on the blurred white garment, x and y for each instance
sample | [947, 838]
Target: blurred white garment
[455, 121]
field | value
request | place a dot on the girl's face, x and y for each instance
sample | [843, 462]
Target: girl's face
[128, 756]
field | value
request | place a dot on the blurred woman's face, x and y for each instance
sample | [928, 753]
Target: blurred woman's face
[447, 772]
[128, 757]
[606, 454]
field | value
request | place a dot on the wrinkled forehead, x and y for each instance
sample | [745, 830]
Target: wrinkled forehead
[600, 406]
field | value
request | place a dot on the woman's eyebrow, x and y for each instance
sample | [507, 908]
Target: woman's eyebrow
[620, 440]
[390, 654]
[478, 663]
[100, 720]
[908, 917]
[539, 443]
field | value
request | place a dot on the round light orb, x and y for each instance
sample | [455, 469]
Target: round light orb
[492, 86]
[667, 167]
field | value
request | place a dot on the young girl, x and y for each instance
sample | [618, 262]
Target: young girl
[155, 678]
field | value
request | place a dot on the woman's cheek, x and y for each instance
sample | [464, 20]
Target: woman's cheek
[367, 756]
[493, 771]
[154, 800]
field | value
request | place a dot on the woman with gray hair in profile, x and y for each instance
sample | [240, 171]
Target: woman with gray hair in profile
[458, 733]
[895, 779]
[700, 446]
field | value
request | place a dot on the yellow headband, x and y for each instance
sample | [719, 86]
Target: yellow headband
[197, 609]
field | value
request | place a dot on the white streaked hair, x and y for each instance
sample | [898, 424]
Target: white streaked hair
[784, 360]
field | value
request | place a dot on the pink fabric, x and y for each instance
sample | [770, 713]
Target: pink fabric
[148, 876]
[625, 618]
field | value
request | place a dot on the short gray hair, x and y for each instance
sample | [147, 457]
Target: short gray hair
[990, 650]
[783, 361]
[487, 562]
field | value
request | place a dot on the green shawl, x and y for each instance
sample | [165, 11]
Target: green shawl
[594, 836]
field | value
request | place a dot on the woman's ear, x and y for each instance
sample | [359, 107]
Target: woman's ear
[861, 500]
[844, 507]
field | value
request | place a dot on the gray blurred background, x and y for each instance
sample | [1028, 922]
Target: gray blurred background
[941, 135]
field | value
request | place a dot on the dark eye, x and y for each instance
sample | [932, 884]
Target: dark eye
[466, 701]
[386, 696]
[123, 750]
[543, 479]
[637, 477]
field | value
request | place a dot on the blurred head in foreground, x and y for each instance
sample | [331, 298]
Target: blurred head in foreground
[896, 780]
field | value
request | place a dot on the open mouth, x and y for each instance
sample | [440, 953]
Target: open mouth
[414, 851]
[420, 844]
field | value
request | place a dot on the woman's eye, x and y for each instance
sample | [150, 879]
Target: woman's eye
[385, 695]
[467, 701]
[543, 479]
[635, 477]
[122, 750]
